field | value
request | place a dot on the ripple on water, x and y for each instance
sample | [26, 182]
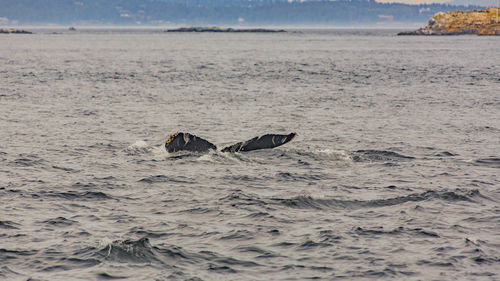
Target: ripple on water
[491, 162]
[68, 170]
[9, 225]
[141, 252]
[445, 195]
[164, 179]
[397, 231]
[75, 195]
[378, 155]
[28, 161]
[383, 132]
[8, 274]
[6, 254]
[258, 252]
[60, 221]
[107, 276]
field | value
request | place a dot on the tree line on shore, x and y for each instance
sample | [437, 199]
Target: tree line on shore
[220, 12]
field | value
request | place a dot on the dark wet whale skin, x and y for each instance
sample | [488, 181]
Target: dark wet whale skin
[262, 142]
[186, 141]
[189, 142]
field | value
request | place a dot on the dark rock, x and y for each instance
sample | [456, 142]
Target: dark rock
[223, 29]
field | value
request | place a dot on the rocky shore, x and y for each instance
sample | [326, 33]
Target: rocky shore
[12, 30]
[222, 29]
[478, 22]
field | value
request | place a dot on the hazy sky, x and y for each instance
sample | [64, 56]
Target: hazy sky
[458, 2]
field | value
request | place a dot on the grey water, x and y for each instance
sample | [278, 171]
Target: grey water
[394, 173]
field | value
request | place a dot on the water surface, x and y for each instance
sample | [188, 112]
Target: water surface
[393, 175]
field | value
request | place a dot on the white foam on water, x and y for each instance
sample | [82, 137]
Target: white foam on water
[335, 154]
[159, 152]
[216, 156]
[138, 147]
[209, 157]
[105, 242]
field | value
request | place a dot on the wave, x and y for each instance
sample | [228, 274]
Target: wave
[259, 252]
[445, 154]
[163, 178]
[492, 162]
[104, 146]
[239, 235]
[129, 251]
[84, 185]
[482, 259]
[386, 273]
[74, 195]
[8, 225]
[200, 210]
[305, 157]
[107, 276]
[397, 231]
[377, 155]
[286, 176]
[142, 252]
[239, 199]
[28, 161]
[310, 202]
[138, 230]
[242, 200]
[8, 274]
[69, 170]
[60, 221]
[14, 255]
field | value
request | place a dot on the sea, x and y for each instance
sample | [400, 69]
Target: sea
[394, 173]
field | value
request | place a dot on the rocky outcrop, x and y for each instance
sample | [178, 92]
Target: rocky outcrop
[12, 30]
[479, 22]
[222, 29]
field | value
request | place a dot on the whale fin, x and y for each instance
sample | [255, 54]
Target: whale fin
[262, 142]
[186, 141]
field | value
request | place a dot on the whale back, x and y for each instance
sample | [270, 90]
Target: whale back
[185, 141]
[262, 142]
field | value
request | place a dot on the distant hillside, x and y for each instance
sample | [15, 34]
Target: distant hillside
[219, 12]
[486, 3]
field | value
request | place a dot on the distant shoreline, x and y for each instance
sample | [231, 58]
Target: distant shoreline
[77, 30]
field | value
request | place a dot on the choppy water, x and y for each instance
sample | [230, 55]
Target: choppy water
[394, 173]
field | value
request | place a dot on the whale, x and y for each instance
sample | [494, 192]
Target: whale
[188, 142]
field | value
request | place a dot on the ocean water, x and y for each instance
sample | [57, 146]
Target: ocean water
[394, 173]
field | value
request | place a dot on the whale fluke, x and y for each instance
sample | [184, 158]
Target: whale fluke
[186, 141]
[189, 142]
[262, 142]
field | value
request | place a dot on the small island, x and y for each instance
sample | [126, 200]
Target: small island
[223, 29]
[478, 22]
[14, 31]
